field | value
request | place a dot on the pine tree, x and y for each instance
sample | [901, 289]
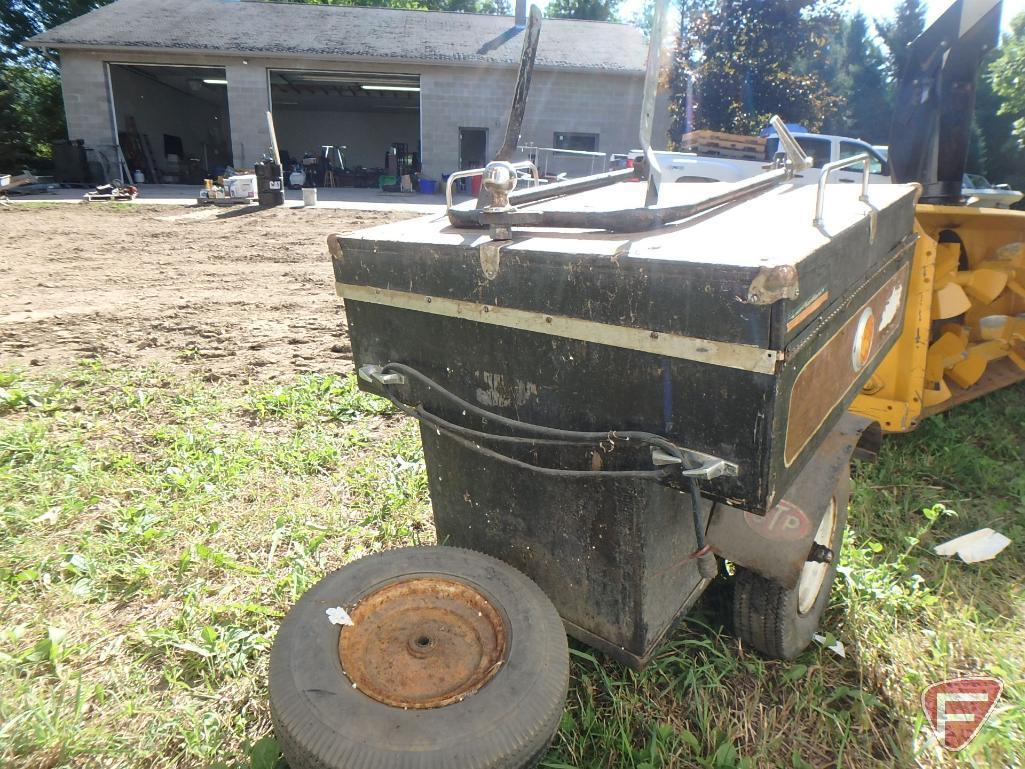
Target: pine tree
[597, 10]
[897, 34]
[867, 109]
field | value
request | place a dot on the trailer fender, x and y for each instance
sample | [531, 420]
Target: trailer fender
[776, 545]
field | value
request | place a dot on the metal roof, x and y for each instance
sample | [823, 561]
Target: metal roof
[345, 32]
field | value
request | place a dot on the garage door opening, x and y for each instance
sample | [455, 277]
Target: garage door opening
[172, 122]
[346, 129]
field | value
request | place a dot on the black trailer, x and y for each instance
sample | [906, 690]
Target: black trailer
[611, 413]
[620, 387]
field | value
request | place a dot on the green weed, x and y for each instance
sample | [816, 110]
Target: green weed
[155, 531]
[156, 528]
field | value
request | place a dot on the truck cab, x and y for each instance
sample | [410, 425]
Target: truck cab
[690, 167]
[824, 148]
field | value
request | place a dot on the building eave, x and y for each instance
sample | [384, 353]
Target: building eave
[235, 53]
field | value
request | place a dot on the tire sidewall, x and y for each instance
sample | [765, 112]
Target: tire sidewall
[801, 628]
[326, 713]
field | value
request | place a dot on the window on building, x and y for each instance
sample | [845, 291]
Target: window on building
[564, 140]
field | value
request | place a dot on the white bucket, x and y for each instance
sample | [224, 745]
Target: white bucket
[309, 196]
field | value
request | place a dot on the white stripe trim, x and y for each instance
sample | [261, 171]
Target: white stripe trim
[729, 354]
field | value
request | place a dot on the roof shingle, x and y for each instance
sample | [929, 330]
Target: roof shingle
[346, 32]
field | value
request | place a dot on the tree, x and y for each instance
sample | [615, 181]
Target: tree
[644, 17]
[1000, 111]
[830, 68]
[21, 19]
[1007, 77]
[597, 10]
[14, 145]
[681, 75]
[31, 110]
[867, 109]
[31, 115]
[750, 59]
[898, 33]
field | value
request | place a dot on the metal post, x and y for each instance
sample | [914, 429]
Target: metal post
[651, 76]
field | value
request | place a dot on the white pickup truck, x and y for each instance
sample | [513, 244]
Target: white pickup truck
[692, 167]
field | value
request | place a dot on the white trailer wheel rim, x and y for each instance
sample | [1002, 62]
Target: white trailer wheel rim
[814, 572]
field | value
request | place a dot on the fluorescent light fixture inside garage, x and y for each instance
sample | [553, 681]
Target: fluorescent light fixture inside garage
[214, 81]
[391, 88]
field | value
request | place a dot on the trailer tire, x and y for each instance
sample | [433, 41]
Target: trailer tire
[336, 701]
[781, 622]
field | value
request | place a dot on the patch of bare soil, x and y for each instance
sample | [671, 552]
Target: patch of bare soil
[228, 293]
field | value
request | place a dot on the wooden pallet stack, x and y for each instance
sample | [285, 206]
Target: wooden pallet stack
[724, 145]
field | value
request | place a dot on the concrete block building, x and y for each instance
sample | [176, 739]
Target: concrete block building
[194, 79]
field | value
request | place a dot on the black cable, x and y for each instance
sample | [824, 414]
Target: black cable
[708, 568]
[468, 432]
[699, 527]
[553, 432]
[550, 471]
[556, 437]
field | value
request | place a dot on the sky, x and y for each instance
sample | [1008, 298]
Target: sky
[874, 9]
[883, 8]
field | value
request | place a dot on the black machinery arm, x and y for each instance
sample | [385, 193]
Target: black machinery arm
[936, 99]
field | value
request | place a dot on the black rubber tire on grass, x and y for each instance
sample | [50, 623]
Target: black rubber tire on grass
[765, 614]
[322, 722]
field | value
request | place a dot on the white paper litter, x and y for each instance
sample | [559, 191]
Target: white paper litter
[981, 545]
[836, 648]
[339, 616]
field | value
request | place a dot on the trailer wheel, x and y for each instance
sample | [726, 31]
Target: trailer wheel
[779, 622]
[454, 659]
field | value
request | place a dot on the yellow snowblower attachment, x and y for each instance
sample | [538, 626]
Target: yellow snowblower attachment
[964, 328]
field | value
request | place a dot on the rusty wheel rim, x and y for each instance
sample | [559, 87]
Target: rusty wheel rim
[424, 642]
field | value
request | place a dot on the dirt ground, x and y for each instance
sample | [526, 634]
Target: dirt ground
[227, 293]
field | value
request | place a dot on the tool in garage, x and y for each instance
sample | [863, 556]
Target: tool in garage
[402, 165]
[618, 386]
[334, 163]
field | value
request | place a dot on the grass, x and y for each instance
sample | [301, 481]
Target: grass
[154, 528]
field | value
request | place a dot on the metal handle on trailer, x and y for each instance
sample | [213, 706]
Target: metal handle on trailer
[820, 199]
[452, 178]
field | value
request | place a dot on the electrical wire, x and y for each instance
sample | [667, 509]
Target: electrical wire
[550, 432]
[552, 436]
[453, 431]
